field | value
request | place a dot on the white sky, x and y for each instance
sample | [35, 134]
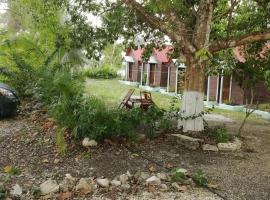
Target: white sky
[3, 7]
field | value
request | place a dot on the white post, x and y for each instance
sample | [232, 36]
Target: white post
[142, 74]
[168, 80]
[230, 93]
[155, 74]
[221, 90]
[208, 89]
[126, 71]
[176, 80]
[148, 74]
[217, 88]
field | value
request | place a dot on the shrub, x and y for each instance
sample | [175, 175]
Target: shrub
[178, 176]
[200, 178]
[101, 73]
[60, 141]
[221, 135]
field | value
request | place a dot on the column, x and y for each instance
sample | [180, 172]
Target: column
[168, 79]
[208, 88]
[148, 74]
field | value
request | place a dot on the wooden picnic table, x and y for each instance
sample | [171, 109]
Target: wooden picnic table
[144, 100]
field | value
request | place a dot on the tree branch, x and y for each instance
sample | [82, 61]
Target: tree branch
[175, 31]
[238, 41]
[203, 23]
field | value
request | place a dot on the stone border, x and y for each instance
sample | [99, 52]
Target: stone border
[196, 143]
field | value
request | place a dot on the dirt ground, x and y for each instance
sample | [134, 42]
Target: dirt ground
[239, 175]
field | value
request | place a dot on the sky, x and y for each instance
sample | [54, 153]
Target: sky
[3, 7]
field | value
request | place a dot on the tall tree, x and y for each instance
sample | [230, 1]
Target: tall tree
[198, 28]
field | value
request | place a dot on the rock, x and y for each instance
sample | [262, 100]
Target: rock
[188, 142]
[89, 143]
[183, 188]
[123, 178]
[129, 174]
[230, 146]
[68, 183]
[153, 180]
[162, 176]
[208, 147]
[103, 182]
[16, 191]
[182, 170]
[163, 188]
[48, 187]
[141, 137]
[125, 186]
[45, 160]
[115, 183]
[144, 175]
[175, 186]
[141, 176]
[85, 186]
[56, 161]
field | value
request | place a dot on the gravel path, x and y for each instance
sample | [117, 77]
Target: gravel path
[243, 175]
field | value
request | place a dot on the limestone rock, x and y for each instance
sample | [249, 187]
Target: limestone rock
[182, 170]
[103, 182]
[48, 187]
[153, 180]
[85, 186]
[176, 186]
[125, 186]
[230, 146]
[162, 176]
[163, 188]
[188, 142]
[123, 178]
[16, 191]
[89, 143]
[68, 183]
[208, 147]
[115, 183]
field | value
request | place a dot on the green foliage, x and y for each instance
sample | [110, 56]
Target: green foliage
[200, 178]
[219, 134]
[101, 73]
[178, 176]
[2, 193]
[35, 191]
[60, 141]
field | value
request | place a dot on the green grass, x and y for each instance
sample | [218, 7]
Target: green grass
[112, 92]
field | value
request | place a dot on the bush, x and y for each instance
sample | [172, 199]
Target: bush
[221, 135]
[200, 178]
[88, 116]
[101, 73]
[178, 176]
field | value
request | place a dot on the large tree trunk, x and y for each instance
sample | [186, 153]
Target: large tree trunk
[192, 103]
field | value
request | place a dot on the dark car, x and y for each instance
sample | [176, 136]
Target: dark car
[9, 101]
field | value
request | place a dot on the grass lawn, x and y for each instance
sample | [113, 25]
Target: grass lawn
[112, 92]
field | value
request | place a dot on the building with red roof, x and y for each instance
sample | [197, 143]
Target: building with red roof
[225, 89]
[159, 71]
